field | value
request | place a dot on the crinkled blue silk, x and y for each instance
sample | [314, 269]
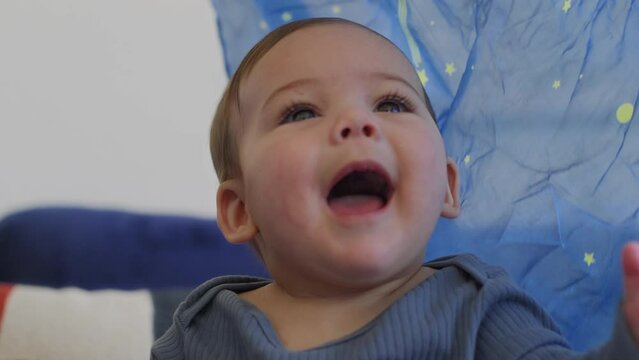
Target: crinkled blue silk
[536, 102]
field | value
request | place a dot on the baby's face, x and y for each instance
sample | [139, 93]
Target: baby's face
[343, 169]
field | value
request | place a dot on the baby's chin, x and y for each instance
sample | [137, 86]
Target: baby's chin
[369, 270]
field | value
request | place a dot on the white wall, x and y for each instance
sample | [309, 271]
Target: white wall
[107, 103]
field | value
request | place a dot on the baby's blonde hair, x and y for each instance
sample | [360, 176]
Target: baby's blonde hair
[223, 141]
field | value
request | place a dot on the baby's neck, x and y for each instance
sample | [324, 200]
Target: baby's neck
[304, 322]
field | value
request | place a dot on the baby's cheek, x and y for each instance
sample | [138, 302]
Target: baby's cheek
[280, 177]
[430, 182]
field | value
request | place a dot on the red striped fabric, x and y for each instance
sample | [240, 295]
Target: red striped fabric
[5, 290]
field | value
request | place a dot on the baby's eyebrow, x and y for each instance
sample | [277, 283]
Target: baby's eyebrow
[393, 77]
[288, 86]
[313, 81]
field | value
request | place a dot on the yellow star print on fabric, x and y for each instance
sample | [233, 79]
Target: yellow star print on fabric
[263, 25]
[624, 113]
[556, 85]
[567, 6]
[336, 9]
[589, 258]
[402, 13]
[422, 76]
[286, 16]
[466, 159]
[450, 69]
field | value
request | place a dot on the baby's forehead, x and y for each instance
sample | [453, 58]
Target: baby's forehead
[321, 49]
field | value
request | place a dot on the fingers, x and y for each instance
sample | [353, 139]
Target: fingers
[631, 257]
[630, 264]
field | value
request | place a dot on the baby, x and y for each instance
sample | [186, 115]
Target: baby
[332, 166]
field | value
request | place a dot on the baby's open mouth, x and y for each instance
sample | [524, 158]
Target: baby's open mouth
[360, 190]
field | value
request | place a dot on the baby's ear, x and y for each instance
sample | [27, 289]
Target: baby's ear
[232, 216]
[452, 206]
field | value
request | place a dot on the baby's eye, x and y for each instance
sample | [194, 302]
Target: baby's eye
[298, 115]
[393, 105]
[389, 106]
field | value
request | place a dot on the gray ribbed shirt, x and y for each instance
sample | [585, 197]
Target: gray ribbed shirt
[466, 310]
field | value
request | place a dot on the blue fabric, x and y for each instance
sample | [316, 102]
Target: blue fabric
[96, 249]
[535, 100]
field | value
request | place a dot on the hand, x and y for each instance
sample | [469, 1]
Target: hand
[630, 263]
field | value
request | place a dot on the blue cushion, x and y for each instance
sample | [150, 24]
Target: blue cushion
[96, 249]
[535, 101]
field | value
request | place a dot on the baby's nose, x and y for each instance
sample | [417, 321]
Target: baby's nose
[367, 130]
[354, 125]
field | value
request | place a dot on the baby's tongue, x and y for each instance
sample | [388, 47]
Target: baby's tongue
[355, 204]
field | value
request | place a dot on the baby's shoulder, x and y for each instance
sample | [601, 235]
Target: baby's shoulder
[227, 287]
